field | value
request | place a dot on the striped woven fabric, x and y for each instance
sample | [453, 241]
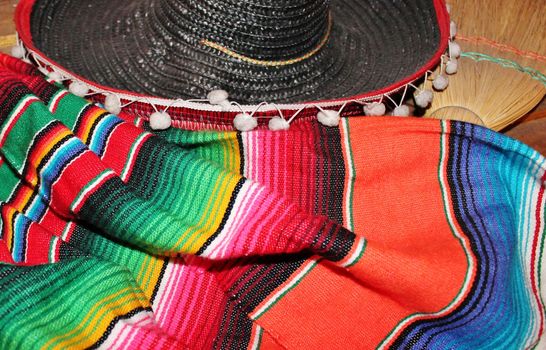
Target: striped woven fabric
[395, 233]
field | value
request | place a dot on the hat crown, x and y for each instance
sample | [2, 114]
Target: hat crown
[258, 29]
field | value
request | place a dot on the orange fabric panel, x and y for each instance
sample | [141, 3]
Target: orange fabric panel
[412, 263]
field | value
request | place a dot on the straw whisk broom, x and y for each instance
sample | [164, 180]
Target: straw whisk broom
[502, 66]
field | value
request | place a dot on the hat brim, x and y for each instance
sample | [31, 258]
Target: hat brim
[373, 49]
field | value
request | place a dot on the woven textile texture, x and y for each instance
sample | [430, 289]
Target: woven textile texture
[187, 48]
[400, 233]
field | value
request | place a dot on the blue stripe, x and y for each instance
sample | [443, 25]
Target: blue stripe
[57, 163]
[488, 173]
[102, 132]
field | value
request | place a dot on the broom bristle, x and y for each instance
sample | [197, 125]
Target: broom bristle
[500, 89]
[519, 24]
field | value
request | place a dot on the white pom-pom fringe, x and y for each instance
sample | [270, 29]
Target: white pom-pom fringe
[245, 122]
[217, 97]
[329, 118]
[375, 109]
[160, 121]
[448, 7]
[54, 76]
[401, 111]
[18, 51]
[112, 104]
[452, 66]
[78, 88]
[454, 49]
[278, 123]
[423, 98]
[440, 83]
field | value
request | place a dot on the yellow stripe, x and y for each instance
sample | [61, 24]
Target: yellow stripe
[25, 195]
[204, 230]
[209, 221]
[151, 276]
[11, 232]
[89, 124]
[141, 275]
[45, 150]
[220, 207]
[266, 63]
[94, 324]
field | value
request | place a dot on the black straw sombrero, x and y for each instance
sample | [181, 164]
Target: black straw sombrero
[281, 51]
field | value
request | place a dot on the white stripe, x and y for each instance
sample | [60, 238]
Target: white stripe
[29, 149]
[232, 225]
[257, 337]
[124, 328]
[67, 229]
[54, 244]
[22, 105]
[132, 156]
[356, 254]
[464, 244]
[348, 213]
[56, 98]
[309, 265]
[91, 187]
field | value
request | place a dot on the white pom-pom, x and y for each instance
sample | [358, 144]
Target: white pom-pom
[160, 121]
[375, 109]
[278, 123]
[448, 7]
[112, 104]
[78, 88]
[454, 49]
[452, 29]
[452, 66]
[245, 122]
[441, 82]
[54, 76]
[401, 111]
[18, 51]
[217, 97]
[423, 98]
[329, 118]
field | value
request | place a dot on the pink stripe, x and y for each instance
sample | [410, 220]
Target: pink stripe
[121, 335]
[245, 220]
[160, 304]
[272, 212]
[163, 307]
[256, 211]
[184, 297]
[200, 312]
[228, 231]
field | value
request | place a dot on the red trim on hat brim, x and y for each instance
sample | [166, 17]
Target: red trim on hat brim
[22, 24]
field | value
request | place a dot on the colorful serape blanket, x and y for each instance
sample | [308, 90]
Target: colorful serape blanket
[381, 233]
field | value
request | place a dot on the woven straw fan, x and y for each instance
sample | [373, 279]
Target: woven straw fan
[501, 71]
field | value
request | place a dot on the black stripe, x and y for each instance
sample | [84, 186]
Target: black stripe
[232, 200]
[241, 153]
[112, 324]
[80, 118]
[454, 165]
[10, 95]
[158, 283]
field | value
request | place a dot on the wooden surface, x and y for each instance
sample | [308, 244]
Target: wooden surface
[531, 129]
[7, 29]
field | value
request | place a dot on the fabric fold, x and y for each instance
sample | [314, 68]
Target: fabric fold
[383, 232]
